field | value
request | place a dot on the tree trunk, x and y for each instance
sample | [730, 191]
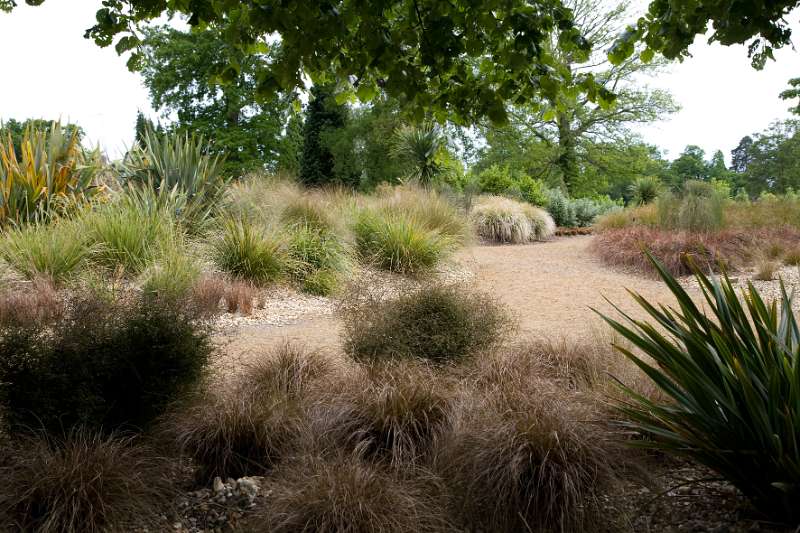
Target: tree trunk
[567, 157]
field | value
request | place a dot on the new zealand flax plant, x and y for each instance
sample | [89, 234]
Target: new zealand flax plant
[731, 374]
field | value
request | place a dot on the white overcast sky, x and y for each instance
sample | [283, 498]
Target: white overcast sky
[50, 71]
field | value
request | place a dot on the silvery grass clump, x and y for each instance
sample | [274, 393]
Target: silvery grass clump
[504, 220]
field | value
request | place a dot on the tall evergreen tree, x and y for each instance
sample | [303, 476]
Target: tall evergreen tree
[323, 114]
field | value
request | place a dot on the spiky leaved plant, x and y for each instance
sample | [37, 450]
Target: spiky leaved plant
[732, 377]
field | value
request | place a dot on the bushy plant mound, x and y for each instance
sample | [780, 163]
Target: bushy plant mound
[129, 232]
[440, 324]
[732, 379]
[389, 414]
[178, 163]
[530, 448]
[342, 494]
[503, 220]
[103, 362]
[255, 421]
[248, 251]
[699, 208]
[399, 243]
[84, 483]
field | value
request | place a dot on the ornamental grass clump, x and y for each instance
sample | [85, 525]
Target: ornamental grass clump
[502, 220]
[247, 251]
[732, 382]
[82, 483]
[399, 243]
[54, 251]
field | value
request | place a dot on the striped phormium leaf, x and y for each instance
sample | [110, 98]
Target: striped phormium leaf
[731, 373]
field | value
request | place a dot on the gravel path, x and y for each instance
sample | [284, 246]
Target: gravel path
[550, 287]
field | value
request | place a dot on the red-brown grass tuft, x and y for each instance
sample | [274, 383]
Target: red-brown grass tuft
[240, 297]
[37, 302]
[388, 413]
[342, 494]
[207, 294]
[245, 427]
[732, 248]
[523, 456]
[83, 484]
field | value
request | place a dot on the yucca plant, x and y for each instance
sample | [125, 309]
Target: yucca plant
[417, 148]
[178, 163]
[53, 172]
[733, 380]
[645, 190]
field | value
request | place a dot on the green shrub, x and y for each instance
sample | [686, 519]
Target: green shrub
[55, 251]
[532, 190]
[430, 208]
[733, 382]
[496, 180]
[105, 363]
[84, 483]
[309, 212]
[438, 323]
[699, 207]
[586, 211]
[127, 233]
[246, 251]
[174, 272]
[399, 243]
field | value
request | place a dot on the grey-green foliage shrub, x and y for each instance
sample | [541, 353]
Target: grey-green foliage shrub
[440, 324]
[561, 209]
[104, 363]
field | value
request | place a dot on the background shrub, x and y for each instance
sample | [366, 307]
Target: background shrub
[105, 364]
[438, 323]
[316, 253]
[82, 483]
[561, 209]
[503, 220]
[53, 173]
[645, 190]
[173, 162]
[700, 207]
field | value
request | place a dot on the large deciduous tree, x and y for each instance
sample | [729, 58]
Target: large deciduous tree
[179, 72]
[569, 123]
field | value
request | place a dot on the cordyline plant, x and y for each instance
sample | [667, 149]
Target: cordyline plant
[732, 375]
